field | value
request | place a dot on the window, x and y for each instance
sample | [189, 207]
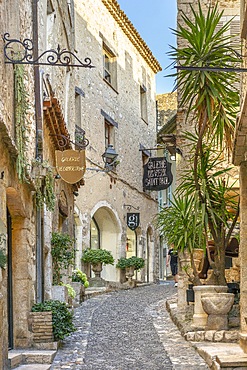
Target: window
[79, 94]
[94, 234]
[109, 128]
[109, 134]
[109, 67]
[143, 103]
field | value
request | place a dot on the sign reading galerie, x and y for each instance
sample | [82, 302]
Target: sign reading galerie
[133, 220]
[157, 174]
[71, 165]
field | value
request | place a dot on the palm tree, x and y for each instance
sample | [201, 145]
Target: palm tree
[212, 100]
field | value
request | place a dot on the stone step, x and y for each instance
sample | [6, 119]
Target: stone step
[21, 357]
[33, 367]
[231, 361]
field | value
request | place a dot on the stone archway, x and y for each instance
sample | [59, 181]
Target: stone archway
[109, 231]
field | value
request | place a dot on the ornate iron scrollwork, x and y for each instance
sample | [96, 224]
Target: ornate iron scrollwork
[63, 141]
[21, 52]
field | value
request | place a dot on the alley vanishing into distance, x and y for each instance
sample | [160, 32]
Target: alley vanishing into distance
[127, 330]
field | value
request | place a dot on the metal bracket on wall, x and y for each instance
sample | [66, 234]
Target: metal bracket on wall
[21, 52]
[129, 206]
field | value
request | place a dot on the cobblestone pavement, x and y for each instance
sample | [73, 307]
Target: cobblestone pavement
[127, 330]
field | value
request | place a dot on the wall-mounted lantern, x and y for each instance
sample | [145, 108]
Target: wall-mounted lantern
[110, 158]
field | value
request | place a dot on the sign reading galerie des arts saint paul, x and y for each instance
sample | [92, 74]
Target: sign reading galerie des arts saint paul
[71, 165]
[157, 174]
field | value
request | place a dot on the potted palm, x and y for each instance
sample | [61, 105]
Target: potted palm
[180, 225]
[211, 100]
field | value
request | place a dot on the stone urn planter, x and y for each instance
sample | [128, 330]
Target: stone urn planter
[97, 268]
[129, 272]
[217, 306]
[200, 316]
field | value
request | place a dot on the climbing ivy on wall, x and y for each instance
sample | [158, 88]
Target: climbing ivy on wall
[21, 109]
[44, 184]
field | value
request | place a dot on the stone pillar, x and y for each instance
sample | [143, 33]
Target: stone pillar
[243, 255]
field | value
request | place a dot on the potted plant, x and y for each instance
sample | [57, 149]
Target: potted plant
[63, 256]
[97, 258]
[180, 225]
[79, 283]
[79, 277]
[130, 265]
[62, 319]
[211, 99]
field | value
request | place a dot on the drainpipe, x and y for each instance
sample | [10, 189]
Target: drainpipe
[39, 153]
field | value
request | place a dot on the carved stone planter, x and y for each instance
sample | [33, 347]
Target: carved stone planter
[97, 281]
[200, 316]
[217, 306]
[129, 273]
[97, 268]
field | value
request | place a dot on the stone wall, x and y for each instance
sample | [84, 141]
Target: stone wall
[41, 326]
[95, 26]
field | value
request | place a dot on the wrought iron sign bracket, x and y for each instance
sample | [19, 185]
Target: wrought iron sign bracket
[129, 206]
[63, 141]
[21, 52]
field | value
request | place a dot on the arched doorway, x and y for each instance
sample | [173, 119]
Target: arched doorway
[149, 276]
[105, 233]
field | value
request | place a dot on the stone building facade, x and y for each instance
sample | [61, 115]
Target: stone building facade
[117, 107]
[35, 103]
[239, 159]
[112, 103]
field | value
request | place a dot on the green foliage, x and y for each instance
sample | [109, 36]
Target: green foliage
[45, 188]
[212, 92]
[211, 98]
[95, 256]
[3, 259]
[71, 290]
[63, 254]
[180, 223]
[62, 317]
[3, 256]
[137, 262]
[21, 110]
[80, 277]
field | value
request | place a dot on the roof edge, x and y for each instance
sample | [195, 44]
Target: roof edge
[131, 32]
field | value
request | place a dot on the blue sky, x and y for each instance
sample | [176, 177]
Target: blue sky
[153, 20]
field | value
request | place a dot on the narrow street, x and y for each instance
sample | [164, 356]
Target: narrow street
[127, 330]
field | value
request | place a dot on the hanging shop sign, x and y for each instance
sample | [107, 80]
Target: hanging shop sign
[157, 174]
[133, 220]
[71, 165]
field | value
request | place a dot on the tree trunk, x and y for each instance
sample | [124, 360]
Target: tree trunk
[218, 275]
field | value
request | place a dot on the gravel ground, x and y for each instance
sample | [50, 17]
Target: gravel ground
[127, 330]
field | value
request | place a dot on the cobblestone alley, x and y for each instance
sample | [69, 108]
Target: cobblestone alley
[127, 330]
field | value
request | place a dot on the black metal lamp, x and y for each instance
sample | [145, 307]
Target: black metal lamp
[110, 157]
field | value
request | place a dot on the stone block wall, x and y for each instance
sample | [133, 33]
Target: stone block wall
[41, 326]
